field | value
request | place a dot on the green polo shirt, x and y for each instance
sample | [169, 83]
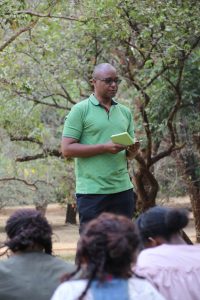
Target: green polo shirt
[90, 124]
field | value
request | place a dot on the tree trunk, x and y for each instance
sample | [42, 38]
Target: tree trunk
[188, 167]
[71, 214]
[146, 189]
[42, 208]
[186, 238]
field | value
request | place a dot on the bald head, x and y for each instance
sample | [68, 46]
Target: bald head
[102, 68]
[105, 82]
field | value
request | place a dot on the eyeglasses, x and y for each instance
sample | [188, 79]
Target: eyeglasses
[109, 80]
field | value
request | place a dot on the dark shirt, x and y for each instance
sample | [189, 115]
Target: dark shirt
[31, 276]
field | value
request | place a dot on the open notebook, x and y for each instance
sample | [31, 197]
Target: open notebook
[123, 138]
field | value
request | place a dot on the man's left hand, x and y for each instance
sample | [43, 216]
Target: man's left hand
[132, 150]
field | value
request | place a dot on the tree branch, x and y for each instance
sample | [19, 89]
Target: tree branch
[176, 105]
[155, 77]
[12, 38]
[47, 152]
[25, 139]
[139, 158]
[33, 184]
[193, 46]
[20, 180]
[165, 153]
[37, 101]
[144, 115]
[153, 45]
[136, 48]
[133, 25]
[137, 86]
[68, 97]
[171, 116]
[39, 15]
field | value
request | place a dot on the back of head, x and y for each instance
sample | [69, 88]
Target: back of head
[108, 245]
[161, 222]
[27, 228]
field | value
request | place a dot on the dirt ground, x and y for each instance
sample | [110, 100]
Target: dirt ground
[66, 235]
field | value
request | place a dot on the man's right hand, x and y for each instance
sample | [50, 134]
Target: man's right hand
[113, 148]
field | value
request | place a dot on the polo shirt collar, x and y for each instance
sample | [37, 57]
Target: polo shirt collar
[94, 100]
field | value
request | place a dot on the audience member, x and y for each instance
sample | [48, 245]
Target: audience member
[171, 265]
[31, 272]
[106, 250]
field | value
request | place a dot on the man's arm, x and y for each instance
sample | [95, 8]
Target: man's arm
[72, 148]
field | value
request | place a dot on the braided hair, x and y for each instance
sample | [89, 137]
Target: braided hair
[26, 228]
[160, 221]
[108, 245]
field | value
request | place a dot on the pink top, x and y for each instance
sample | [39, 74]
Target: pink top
[173, 269]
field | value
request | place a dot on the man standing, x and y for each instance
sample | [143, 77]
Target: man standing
[102, 180]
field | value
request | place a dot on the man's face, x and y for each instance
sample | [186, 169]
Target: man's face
[106, 83]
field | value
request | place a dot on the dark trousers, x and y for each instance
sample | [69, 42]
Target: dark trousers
[92, 205]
